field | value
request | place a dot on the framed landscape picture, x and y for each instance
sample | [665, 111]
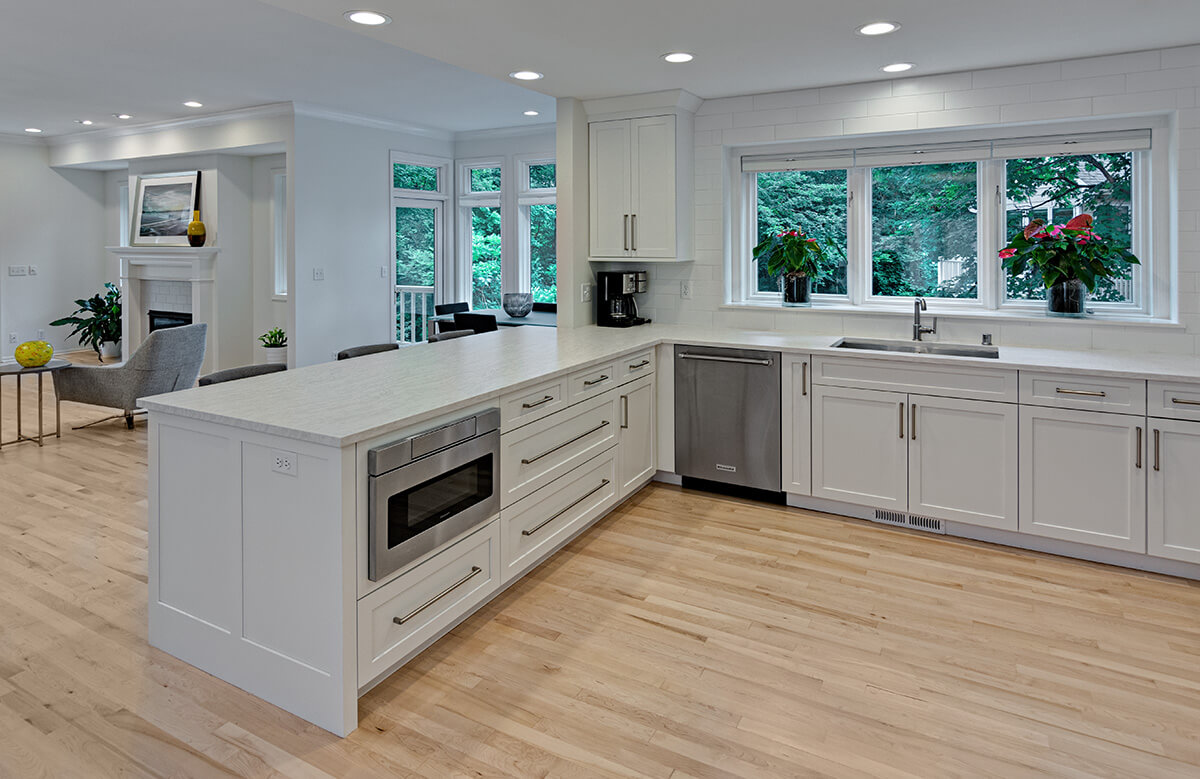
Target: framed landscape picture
[163, 209]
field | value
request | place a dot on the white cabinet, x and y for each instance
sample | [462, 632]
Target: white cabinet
[638, 431]
[859, 448]
[640, 204]
[797, 424]
[1083, 478]
[1173, 524]
[962, 461]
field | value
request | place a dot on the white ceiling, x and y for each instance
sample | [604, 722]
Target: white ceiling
[62, 60]
[603, 48]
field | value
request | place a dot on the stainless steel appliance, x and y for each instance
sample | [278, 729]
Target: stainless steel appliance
[430, 488]
[615, 304]
[727, 409]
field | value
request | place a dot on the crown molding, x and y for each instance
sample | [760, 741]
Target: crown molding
[268, 111]
[23, 140]
[670, 101]
[505, 132]
[412, 128]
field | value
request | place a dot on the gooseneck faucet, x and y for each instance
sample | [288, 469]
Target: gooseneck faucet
[918, 328]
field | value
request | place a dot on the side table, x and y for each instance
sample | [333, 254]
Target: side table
[16, 370]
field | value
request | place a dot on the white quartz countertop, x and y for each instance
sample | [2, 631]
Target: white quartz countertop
[342, 403]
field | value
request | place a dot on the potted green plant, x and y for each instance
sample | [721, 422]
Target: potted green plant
[797, 260]
[101, 328]
[1072, 259]
[275, 342]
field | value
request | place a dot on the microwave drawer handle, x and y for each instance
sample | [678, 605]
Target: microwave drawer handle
[475, 571]
[713, 358]
[1184, 402]
[593, 382]
[1086, 393]
[565, 509]
[548, 452]
[537, 403]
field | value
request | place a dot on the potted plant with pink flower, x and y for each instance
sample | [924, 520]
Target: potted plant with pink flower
[1072, 259]
[797, 259]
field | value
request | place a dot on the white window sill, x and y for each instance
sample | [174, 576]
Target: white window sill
[279, 298]
[1099, 319]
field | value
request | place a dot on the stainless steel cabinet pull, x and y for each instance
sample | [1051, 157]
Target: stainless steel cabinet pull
[804, 378]
[1087, 393]
[1183, 402]
[537, 403]
[902, 419]
[624, 412]
[712, 358]
[633, 233]
[574, 503]
[603, 378]
[1139, 448]
[625, 233]
[641, 364]
[475, 571]
[912, 424]
[531, 460]
[1157, 451]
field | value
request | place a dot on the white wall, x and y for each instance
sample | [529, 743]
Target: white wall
[53, 219]
[339, 183]
[269, 310]
[1120, 85]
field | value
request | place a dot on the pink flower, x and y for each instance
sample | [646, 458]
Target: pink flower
[1006, 253]
[1041, 235]
[811, 240]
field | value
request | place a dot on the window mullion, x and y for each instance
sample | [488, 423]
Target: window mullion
[858, 235]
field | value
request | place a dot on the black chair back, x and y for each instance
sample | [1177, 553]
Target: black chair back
[549, 308]
[244, 372]
[479, 323]
[446, 335]
[450, 308]
[360, 351]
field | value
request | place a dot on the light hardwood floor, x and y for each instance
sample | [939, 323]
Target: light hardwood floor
[684, 636]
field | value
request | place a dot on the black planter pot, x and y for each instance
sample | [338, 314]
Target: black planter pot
[797, 290]
[1067, 299]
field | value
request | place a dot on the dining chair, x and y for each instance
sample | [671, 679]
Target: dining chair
[361, 351]
[446, 335]
[244, 372]
[479, 323]
[549, 308]
[450, 308]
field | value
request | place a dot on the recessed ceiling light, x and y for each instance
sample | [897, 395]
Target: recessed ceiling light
[369, 18]
[531, 113]
[678, 56]
[878, 28]
[122, 116]
[33, 129]
[87, 122]
[525, 75]
[193, 104]
[897, 67]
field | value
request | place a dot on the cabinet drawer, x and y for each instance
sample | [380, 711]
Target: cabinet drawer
[537, 454]
[1174, 400]
[1090, 393]
[429, 599]
[591, 382]
[631, 366]
[926, 377]
[534, 527]
[527, 405]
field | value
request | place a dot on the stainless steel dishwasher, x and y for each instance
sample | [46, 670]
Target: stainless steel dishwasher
[727, 411]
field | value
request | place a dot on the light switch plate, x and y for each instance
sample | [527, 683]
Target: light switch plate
[18, 270]
[318, 274]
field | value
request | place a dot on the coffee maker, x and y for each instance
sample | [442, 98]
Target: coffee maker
[615, 306]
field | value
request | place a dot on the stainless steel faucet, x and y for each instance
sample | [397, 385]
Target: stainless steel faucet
[919, 329]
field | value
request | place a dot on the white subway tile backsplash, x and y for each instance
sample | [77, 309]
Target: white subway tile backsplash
[794, 99]
[713, 122]
[1021, 74]
[906, 105]
[919, 85]
[959, 117]
[740, 135]
[853, 92]
[725, 105]
[1182, 57]
[1153, 80]
[1136, 103]
[880, 124]
[991, 96]
[762, 118]
[805, 130]
[1112, 63]
[1079, 87]
[1059, 109]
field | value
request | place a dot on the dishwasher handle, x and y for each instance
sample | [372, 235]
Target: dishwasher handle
[715, 358]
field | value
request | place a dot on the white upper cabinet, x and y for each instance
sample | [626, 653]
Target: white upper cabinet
[640, 203]
[1173, 526]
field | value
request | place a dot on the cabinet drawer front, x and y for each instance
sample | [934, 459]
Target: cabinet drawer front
[631, 366]
[927, 377]
[537, 454]
[591, 382]
[1174, 400]
[528, 405]
[1094, 393]
[428, 599]
[534, 527]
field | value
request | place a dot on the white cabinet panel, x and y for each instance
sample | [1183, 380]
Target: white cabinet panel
[610, 188]
[1082, 477]
[797, 424]
[1174, 400]
[1087, 393]
[635, 456]
[1173, 525]
[930, 377]
[859, 447]
[963, 461]
[652, 204]
[528, 405]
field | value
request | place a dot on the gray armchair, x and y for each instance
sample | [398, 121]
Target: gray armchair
[167, 361]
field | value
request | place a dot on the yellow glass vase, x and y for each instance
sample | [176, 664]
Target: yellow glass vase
[34, 354]
[195, 232]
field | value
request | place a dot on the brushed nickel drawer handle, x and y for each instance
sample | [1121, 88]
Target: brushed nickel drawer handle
[624, 412]
[573, 504]
[1157, 451]
[901, 420]
[1087, 393]
[532, 460]
[1138, 464]
[535, 404]
[912, 424]
[625, 233]
[603, 378]
[641, 364]
[633, 233]
[1183, 402]
[475, 571]
[804, 378]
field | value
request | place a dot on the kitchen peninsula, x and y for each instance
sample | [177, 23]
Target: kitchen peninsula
[259, 489]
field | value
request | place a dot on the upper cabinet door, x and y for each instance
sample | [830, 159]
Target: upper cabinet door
[962, 458]
[1173, 461]
[652, 205]
[860, 447]
[1083, 477]
[609, 183]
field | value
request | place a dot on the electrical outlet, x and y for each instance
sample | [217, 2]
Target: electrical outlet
[12, 338]
[685, 289]
[33, 271]
[318, 274]
[383, 271]
[18, 270]
[585, 293]
[283, 462]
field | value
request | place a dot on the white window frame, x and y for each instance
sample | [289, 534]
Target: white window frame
[279, 233]
[1155, 279]
[468, 200]
[445, 277]
[530, 196]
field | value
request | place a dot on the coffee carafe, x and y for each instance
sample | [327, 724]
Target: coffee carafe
[615, 304]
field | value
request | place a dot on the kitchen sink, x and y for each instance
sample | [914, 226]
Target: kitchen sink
[919, 347]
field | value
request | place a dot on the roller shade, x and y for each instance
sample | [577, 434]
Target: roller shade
[1080, 143]
[829, 160]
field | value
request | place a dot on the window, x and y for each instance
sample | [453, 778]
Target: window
[279, 231]
[541, 176]
[485, 257]
[929, 218]
[423, 270]
[543, 270]
[484, 179]
[420, 178]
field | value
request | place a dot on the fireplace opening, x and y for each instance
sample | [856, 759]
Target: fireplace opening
[161, 320]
